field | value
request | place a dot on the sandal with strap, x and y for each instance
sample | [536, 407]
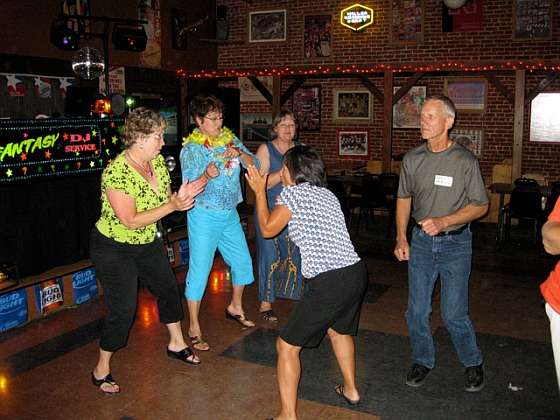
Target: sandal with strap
[269, 315]
[106, 380]
[199, 344]
[186, 355]
[339, 389]
[240, 319]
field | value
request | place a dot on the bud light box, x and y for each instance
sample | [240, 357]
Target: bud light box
[13, 310]
[84, 285]
[49, 296]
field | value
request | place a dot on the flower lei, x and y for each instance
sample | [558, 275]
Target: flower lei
[226, 137]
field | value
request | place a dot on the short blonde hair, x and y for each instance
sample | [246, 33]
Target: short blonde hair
[141, 122]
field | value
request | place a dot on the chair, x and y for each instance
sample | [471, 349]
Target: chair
[525, 203]
[339, 190]
[379, 193]
[551, 199]
[525, 182]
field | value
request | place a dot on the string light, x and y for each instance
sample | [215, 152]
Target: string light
[376, 68]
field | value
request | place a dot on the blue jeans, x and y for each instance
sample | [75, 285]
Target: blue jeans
[450, 258]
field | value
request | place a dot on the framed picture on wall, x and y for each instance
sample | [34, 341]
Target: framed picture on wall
[354, 105]
[255, 127]
[406, 112]
[471, 138]
[468, 94]
[249, 93]
[353, 143]
[317, 36]
[267, 26]
[532, 19]
[306, 106]
[407, 20]
[179, 29]
[545, 125]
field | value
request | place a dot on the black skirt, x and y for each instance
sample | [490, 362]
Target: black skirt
[332, 299]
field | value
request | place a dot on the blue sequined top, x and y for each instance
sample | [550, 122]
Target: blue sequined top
[224, 191]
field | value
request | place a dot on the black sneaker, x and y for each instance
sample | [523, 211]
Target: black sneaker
[474, 378]
[417, 375]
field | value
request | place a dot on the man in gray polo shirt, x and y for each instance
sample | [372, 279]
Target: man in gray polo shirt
[441, 183]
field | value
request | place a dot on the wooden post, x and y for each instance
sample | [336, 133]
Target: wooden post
[388, 120]
[518, 124]
[276, 95]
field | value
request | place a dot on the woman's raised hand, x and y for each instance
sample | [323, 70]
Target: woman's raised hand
[232, 152]
[181, 203]
[256, 180]
[192, 189]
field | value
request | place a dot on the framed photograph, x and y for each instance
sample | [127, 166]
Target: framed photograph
[545, 124]
[306, 106]
[255, 127]
[317, 36]
[532, 19]
[407, 20]
[354, 105]
[249, 93]
[267, 26]
[178, 29]
[467, 18]
[470, 138]
[353, 143]
[468, 94]
[406, 112]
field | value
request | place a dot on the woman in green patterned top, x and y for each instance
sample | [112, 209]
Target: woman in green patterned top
[135, 194]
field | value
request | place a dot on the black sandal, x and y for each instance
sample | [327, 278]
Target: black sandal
[339, 389]
[106, 380]
[269, 315]
[186, 355]
[240, 319]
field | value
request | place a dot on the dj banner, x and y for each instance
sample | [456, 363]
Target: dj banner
[54, 147]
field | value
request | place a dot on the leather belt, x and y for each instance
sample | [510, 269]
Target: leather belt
[454, 232]
[449, 232]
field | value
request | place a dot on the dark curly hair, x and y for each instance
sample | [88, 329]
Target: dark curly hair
[305, 165]
[201, 105]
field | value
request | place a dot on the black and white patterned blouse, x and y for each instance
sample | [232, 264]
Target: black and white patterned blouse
[318, 228]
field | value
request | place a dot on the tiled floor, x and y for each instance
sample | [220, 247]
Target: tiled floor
[45, 365]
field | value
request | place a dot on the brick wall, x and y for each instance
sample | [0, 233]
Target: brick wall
[373, 46]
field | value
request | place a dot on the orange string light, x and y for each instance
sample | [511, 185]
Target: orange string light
[355, 69]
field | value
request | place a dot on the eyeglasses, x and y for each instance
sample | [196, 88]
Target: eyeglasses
[214, 119]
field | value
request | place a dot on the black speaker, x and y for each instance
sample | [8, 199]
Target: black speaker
[232, 107]
[222, 23]
[79, 100]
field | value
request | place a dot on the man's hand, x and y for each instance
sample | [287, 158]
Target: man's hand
[402, 250]
[433, 225]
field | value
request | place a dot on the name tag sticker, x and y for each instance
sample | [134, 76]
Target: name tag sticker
[443, 181]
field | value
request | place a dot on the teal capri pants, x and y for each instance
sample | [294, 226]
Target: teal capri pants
[208, 230]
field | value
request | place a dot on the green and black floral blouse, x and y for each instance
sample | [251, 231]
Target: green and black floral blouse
[120, 176]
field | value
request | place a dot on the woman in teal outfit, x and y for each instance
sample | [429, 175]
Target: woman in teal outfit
[213, 152]
[278, 258]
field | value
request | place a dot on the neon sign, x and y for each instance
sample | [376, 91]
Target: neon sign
[34, 148]
[356, 17]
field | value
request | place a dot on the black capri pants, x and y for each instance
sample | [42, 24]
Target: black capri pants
[118, 266]
[332, 299]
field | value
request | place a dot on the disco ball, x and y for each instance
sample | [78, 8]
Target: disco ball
[454, 4]
[171, 163]
[88, 63]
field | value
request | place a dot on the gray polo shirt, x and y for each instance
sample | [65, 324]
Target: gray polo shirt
[441, 183]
